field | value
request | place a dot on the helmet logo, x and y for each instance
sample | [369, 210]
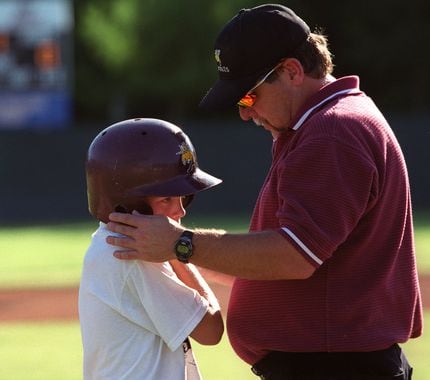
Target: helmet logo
[187, 156]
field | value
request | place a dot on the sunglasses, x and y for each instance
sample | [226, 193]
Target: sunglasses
[249, 99]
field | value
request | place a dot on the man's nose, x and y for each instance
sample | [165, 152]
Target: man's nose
[245, 113]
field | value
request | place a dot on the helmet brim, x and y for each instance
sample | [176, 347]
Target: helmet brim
[178, 186]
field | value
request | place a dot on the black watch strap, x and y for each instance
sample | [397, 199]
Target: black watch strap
[187, 233]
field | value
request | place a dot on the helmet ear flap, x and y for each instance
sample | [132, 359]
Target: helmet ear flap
[122, 209]
[142, 208]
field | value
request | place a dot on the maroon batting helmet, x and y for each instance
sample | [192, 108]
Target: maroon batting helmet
[140, 157]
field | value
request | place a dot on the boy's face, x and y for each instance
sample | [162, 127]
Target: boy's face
[168, 206]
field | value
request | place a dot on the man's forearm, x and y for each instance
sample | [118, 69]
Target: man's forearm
[262, 255]
[259, 256]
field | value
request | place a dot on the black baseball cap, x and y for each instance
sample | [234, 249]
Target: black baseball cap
[249, 46]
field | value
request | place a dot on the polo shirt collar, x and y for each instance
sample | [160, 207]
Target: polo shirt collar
[340, 87]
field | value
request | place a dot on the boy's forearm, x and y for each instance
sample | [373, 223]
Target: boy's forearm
[191, 277]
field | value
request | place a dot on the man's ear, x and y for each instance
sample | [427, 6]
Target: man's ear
[294, 70]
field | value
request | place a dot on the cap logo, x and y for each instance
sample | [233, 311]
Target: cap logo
[223, 69]
[187, 156]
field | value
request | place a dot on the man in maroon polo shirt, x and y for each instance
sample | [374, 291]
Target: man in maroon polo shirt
[326, 281]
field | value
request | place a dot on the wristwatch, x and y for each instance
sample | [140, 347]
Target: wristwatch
[184, 246]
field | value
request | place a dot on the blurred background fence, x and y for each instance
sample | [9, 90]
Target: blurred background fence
[42, 174]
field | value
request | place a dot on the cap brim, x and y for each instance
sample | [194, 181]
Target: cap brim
[226, 93]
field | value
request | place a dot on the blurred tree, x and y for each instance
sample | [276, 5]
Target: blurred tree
[383, 42]
[150, 57]
[154, 57]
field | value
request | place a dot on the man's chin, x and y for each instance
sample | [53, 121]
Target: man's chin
[262, 123]
[267, 126]
[258, 122]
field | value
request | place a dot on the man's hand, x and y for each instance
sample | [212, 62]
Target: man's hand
[146, 237]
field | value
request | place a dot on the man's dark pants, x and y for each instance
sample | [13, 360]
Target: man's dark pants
[385, 364]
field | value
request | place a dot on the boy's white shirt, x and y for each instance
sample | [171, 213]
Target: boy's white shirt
[135, 317]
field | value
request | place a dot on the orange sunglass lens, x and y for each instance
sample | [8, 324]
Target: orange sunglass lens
[247, 101]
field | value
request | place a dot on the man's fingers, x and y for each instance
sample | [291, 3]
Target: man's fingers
[126, 255]
[121, 229]
[121, 241]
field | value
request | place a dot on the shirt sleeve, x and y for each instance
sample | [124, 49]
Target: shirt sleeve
[325, 187]
[173, 309]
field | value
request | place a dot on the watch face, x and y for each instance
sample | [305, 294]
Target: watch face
[182, 249]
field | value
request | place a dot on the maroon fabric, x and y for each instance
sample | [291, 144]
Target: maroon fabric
[338, 190]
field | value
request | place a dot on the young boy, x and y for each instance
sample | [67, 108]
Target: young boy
[135, 316]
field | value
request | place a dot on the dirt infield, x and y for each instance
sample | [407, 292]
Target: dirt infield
[61, 304]
[56, 304]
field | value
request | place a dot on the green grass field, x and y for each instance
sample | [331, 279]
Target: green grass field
[52, 351]
[52, 256]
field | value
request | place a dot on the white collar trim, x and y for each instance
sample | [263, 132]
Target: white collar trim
[310, 110]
